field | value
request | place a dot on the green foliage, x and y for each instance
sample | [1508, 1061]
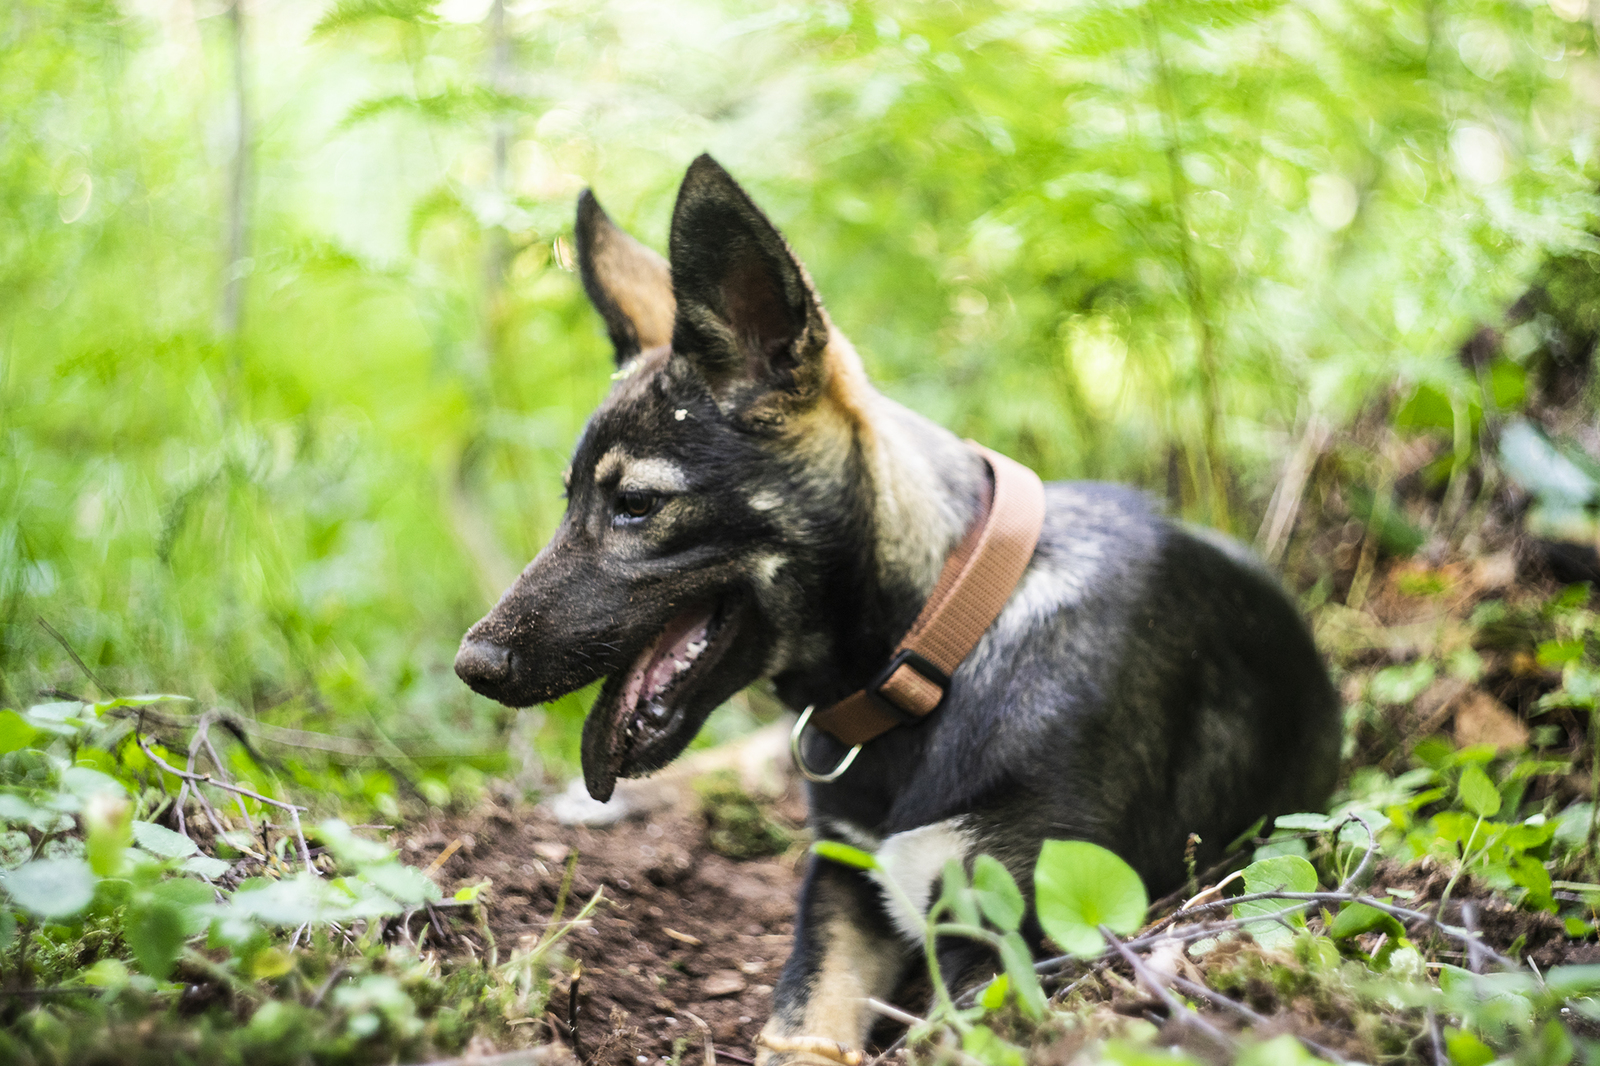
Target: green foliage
[1079, 888]
[118, 914]
[736, 824]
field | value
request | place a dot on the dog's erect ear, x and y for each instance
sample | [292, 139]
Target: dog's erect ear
[747, 315]
[629, 285]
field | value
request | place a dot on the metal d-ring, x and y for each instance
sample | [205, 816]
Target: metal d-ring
[797, 734]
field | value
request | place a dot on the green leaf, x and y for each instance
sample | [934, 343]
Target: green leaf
[1284, 873]
[1358, 918]
[983, 1044]
[998, 895]
[1478, 793]
[1569, 981]
[993, 996]
[134, 701]
[956, 894]
[1558, 653]
[834, 851]
[61, 718]
[1540, 469]
[1282, 1050]
[404, 883]
[349, 848]
[84, 782]
[51, 888]
[1401, 684]
[270, 962]
[156, 934]
[1305, 823]
[15, 733]
[1464, 1049]
[289, 902]
[190, 895]
[160, 841]
[1079, 887]
[1018, 961]
[205, 866]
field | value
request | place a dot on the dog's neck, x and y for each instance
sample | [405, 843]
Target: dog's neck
[911, 491]
[925, 487]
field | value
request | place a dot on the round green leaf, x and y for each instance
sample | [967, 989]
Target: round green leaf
[1284, 873]
[52, 888]
[1079, 887]
[1478, 793]
[1281, 873]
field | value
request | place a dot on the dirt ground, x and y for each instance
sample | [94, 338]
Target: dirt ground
[686, 933]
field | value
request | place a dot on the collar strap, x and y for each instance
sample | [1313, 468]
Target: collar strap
[973, 587]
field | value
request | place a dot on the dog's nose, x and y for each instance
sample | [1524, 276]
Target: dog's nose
[483, 664]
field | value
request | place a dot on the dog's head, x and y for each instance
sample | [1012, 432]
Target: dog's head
[693, 487]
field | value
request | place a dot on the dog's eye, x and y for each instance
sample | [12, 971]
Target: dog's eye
[634, 505]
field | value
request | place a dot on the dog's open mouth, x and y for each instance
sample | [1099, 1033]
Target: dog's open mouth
[642, 716]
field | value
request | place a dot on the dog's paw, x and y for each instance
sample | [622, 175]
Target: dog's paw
[773, 1049]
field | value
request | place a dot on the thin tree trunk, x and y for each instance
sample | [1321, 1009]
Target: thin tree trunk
[231, 314]
[1214, 483]
[497, 243]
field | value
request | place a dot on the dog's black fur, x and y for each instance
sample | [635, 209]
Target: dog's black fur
[745, 505]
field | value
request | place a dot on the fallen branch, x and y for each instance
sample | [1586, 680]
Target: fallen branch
[1156, 986]
[190, 777]
[1191, 988]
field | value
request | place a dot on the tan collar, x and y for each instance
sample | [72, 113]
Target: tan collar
[973, 587]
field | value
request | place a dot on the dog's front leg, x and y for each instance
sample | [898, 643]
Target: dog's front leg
[844, 951]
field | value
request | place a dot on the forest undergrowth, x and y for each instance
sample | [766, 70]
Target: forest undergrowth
[172, 896]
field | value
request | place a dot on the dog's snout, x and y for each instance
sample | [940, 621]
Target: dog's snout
[483, 664]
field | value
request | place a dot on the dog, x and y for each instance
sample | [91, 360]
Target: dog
[744, 505]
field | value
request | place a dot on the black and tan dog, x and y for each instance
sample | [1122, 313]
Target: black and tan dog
[745, 505]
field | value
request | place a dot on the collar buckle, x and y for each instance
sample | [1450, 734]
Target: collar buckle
[890, 701]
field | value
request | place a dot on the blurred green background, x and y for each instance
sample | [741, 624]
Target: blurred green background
[292, 354]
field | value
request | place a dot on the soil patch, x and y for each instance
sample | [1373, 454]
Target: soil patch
[685, 931]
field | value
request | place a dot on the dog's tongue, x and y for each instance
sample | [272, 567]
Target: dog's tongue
[673, 652]
[606, 742]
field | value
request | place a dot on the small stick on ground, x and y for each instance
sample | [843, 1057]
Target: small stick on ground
[1190, 988]
[1437, 1040]
[705, 1031]
[572, 1012]
[1156, 986]
[190, 777]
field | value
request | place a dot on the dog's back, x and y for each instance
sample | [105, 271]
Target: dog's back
[1145, 682]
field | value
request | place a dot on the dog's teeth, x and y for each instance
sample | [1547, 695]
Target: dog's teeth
[696, 648]
[680, 666]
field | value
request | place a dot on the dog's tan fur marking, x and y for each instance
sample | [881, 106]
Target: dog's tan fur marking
[652, 475]
[638, 281]
[610, 464]
[835, 1011]
[906, 457]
